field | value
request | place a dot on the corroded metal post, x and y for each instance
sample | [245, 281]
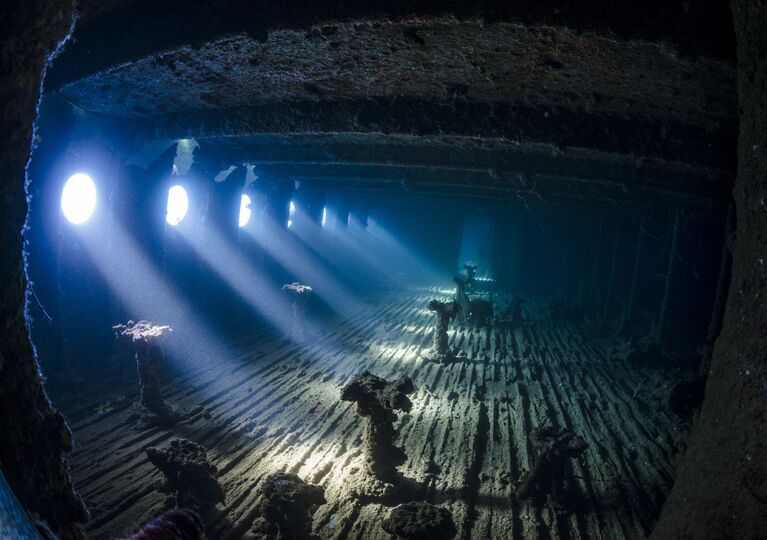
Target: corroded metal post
[147, 340]
[377, 400]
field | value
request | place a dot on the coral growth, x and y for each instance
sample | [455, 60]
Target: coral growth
[297, 289]
[445, 312]
[420, 521]
[286, 507]
[299, 295]
[147, 341]
[553, 449]
[189, 473]
[376, 400]
[481, 312]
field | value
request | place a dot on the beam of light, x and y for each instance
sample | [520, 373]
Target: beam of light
[401, 259]
[359, 220]
[324, 216]
[140, 288]
[329, 244]
[178, 205]
[290, 252]
[370, 249]
[350, 253]
[368, 256]
[251, 285]
[78, 198]
[245, 210]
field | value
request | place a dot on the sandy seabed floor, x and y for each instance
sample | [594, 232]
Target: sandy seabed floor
[274, 406]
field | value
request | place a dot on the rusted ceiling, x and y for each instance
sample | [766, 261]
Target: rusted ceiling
[587, 98]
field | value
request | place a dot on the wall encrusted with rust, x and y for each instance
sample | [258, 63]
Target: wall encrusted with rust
[721, 485]
[35, 437]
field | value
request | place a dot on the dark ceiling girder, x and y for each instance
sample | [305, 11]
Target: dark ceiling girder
[497, 159]
[365, 174]
[480, 199]
[489, 167]
[540, 190]
[450, 163]
[560, 128]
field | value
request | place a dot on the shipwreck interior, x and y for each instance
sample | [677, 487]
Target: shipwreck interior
[384, 270]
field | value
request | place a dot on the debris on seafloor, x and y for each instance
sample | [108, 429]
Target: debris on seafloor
[104, 407]
[286, 507]
[640, 352]
[462, 298]
[481, 312]
[189, 474]
[377, 400]
[471, 272]
[515, 309]
[176, 524]
[299, 295]
[147, 341]
[509, 312]
[553, 450]
[420, 521]
[445, 312]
